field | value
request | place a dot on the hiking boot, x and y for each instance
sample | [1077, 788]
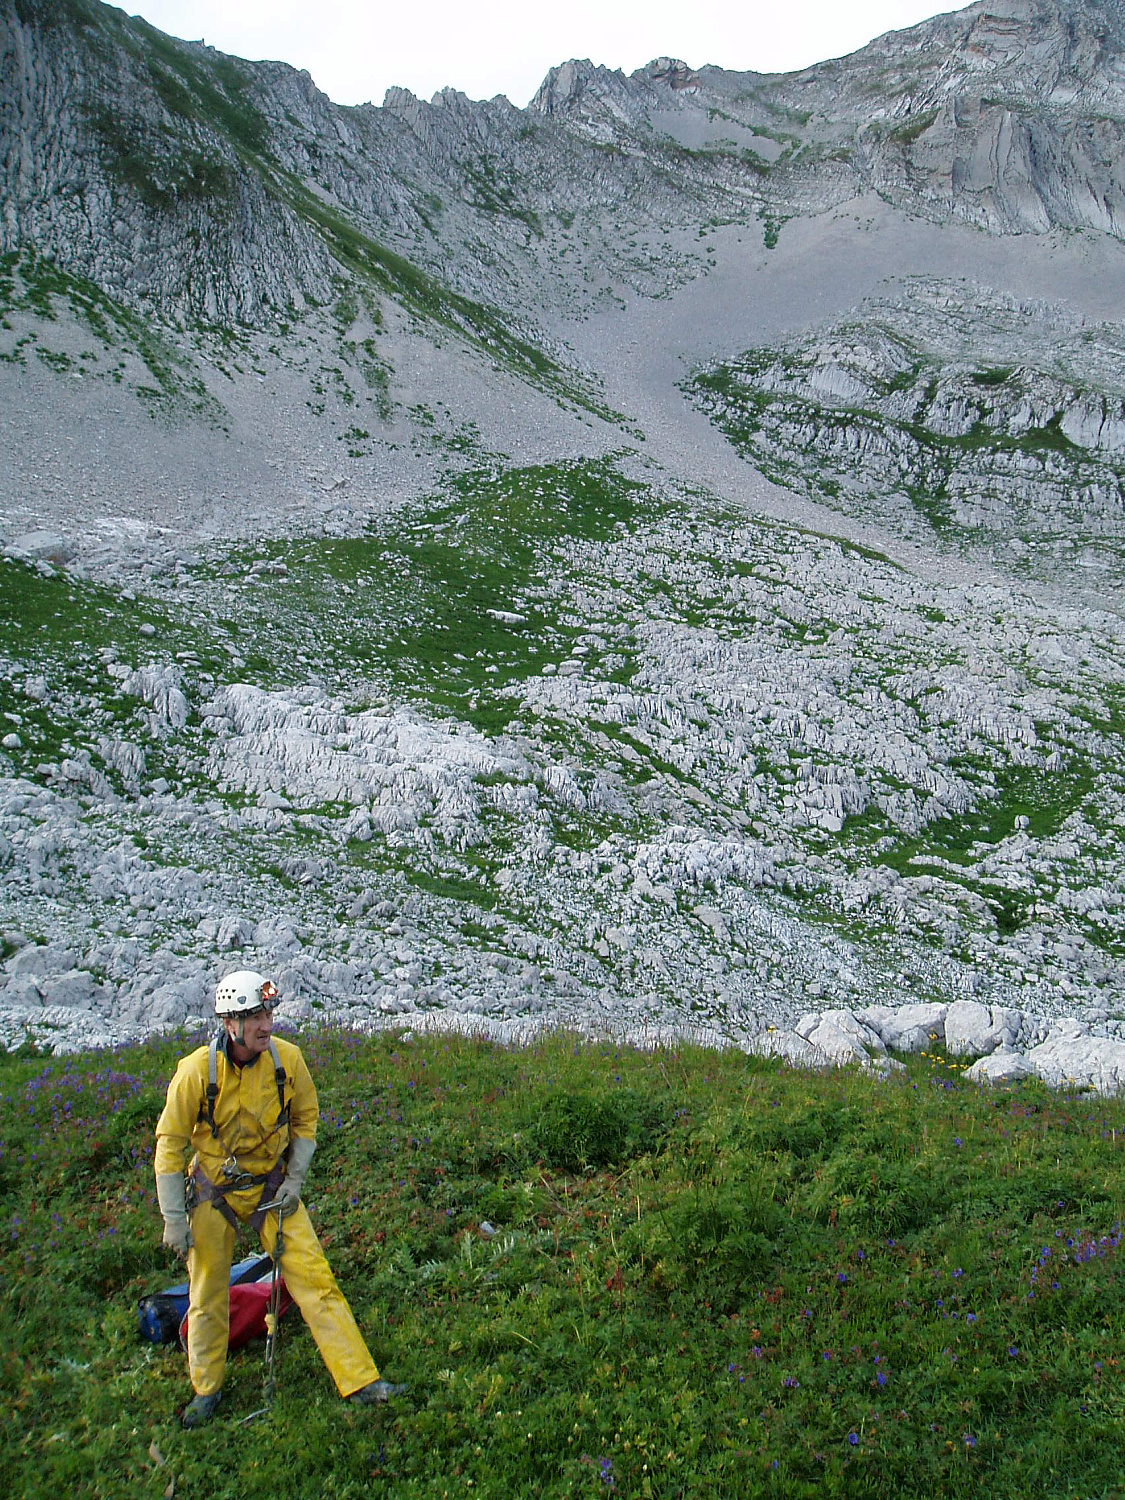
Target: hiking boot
[201, 1409]
[376, 1393]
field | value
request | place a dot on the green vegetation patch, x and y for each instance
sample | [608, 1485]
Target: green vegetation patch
[56, 627]
[156, 167]
[449, 602]
[909, 131]
[776, 1284]
[57, 622]
[1045, 799]
[34, 285]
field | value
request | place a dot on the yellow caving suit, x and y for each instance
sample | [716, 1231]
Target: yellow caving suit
[246, 1113]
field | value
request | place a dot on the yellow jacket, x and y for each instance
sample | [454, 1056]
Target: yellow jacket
[246, 1113]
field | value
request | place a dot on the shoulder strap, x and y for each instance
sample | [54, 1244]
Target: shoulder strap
[279, 1075]
[213, 1083]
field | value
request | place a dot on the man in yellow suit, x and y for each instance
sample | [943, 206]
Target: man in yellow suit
[247, 1107]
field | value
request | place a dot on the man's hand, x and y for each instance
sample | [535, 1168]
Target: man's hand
[177, 1236]
[300, 1155]
[172, 1198]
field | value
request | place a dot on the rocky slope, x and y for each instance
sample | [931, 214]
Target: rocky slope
[385, 605]
[950, 410]
[231, 191]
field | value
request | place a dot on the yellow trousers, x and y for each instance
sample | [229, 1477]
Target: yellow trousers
[307, 1276]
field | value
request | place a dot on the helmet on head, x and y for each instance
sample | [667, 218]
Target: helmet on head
[243, 992]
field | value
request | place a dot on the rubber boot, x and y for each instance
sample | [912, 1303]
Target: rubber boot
[201, 1409]
[376, 1393]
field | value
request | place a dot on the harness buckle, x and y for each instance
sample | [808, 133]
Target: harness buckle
[242, 1180]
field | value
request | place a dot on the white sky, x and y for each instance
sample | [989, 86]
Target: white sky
[355, 49]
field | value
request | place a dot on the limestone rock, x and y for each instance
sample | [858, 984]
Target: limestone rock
[45, 546]
[42, 960]
[1070, 1059]
[162, 688]
[840, 1036]
[21, 993]
[906, 1028]
[75, 988]
[972, 1029]
[1001, 1066]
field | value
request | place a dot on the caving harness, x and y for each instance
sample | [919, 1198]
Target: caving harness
[200, 1187]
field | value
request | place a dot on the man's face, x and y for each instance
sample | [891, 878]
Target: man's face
[256, 1030]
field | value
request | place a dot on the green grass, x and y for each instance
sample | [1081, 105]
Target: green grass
[710, 1276]
[424, 585]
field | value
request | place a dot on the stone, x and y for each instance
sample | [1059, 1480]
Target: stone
[171, 1004]
[1001, 1066]
[907, 1028]
[969, 1030]
[788, 1045]
[162, 688]
[42, 959]
[233, 933]
[841, 1037]
[21, 993]
[1069, 1059]
[125, 757]
[76, 988]
[43, 546]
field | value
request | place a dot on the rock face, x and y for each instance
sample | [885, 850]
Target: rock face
[971, 1029]
[1068, 1057]
[121, 149]
[952, 411]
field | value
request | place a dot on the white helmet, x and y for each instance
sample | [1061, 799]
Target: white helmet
[244, 991]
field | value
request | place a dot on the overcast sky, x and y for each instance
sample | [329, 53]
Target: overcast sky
[355, 49]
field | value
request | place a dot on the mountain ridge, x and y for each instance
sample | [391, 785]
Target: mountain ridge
[211, 149]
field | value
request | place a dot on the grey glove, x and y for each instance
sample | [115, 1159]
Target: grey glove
[300, 1155]
[171, 1196]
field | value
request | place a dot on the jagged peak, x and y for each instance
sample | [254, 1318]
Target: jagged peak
[400, 100]
[450, 98]
[565, 85]
[670, 70]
